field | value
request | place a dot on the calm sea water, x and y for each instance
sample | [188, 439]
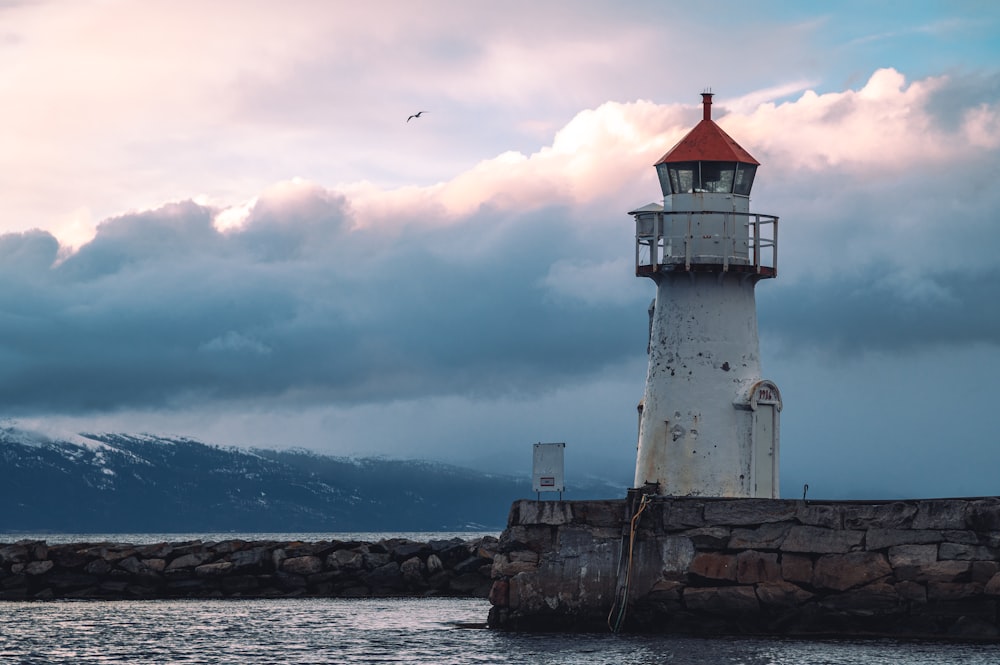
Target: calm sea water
[427, 630]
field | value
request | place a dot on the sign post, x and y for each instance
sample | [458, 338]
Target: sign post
[547, 470]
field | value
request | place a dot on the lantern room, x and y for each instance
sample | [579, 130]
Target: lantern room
[707, 160]
[705, 221]
[706, 176]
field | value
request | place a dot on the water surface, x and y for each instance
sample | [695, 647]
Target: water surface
[429, 630]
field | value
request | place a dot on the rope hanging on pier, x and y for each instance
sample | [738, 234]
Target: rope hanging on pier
[621, 598]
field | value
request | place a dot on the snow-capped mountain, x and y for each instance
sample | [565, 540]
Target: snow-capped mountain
[92, 483]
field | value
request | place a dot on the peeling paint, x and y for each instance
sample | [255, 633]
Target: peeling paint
[700, 316]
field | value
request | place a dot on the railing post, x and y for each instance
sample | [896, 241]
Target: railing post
[756, 242]
[654, 246]
[774, 242]
[636, 218]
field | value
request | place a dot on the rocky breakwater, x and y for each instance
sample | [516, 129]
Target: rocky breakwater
[921, 568]
[34, 570]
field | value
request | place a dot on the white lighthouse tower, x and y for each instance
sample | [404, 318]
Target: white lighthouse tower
[708, 423]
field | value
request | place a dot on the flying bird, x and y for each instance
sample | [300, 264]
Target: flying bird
[415, 115]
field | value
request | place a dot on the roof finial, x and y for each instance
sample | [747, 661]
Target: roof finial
[706, 101]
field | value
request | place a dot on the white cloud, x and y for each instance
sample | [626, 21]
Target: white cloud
[885, 124]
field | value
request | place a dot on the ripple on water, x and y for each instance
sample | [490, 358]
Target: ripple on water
[410, 630]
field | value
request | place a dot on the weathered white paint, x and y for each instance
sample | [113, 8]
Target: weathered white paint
[702, 430]
[708, 424]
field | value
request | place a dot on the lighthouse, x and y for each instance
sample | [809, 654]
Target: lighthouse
[708, 422]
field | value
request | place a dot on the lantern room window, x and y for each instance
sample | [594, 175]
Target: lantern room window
[714, 177]
[677, 178]
[744, 178]
[717, 176]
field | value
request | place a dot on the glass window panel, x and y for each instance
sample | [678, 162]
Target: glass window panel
[744, 178]
[682, 177]
[717, 176]
[661, 171]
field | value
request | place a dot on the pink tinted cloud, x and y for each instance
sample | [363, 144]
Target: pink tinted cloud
[603, 156]
[887, 124]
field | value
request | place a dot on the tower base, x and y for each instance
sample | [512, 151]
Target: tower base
[913, 568]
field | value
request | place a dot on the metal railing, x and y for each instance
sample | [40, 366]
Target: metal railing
[655, 250]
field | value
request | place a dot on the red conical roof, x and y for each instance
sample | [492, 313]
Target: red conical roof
[707, 143]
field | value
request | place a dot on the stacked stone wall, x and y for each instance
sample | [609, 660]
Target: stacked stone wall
[35, 570]
[928, 568]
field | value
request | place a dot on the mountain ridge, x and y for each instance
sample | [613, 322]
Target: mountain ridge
[108, 483]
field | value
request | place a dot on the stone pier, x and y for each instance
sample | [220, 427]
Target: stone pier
[913, 568]
[35, 570]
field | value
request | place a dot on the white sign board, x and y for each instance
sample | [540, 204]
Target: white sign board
[547, 471]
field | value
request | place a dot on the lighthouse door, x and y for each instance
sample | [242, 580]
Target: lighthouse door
[765, 403]
[763, 454]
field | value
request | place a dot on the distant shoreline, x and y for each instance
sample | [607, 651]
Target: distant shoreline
[55, 537]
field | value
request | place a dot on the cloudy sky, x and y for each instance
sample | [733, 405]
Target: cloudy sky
[217, 222]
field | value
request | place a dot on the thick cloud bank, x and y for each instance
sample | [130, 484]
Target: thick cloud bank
[512, 281]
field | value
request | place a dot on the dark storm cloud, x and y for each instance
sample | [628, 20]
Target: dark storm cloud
[161, 309]
[861, 312]
[308, 303]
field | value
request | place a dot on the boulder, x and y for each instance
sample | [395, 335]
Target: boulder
[97, 567]
[684, 514]
[345, 560]
[940, 514]
[764, 537]
[434, 564]
[721, 600]
[753, 567]
[254, 558]
[818, 540]
[713, 566]
[155, 565]
[189, 560]
[710, 537]
[782, 594]
[811, 514]
[844, 571]
[216, 569]
[966, 552]
[743, 512]
[796, 568]
[942, 571]
[16, 553]
[879, 597]
[302, 565]
[993, 586]
[912, 555]
[38, 568]
[552, 513]
[412, 571]
[879, 539]
[404, 550]
[384, 579]
[895, 515]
